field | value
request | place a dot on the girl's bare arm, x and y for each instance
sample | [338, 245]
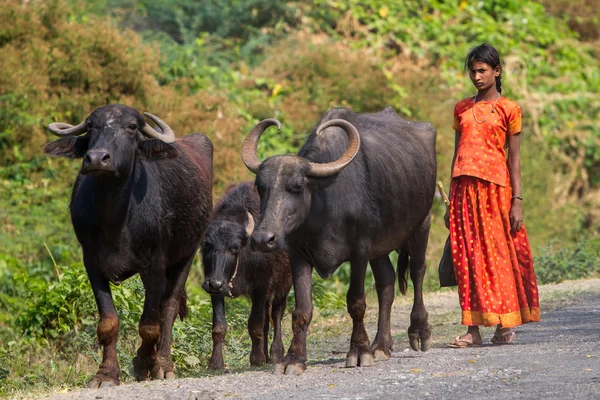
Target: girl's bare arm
[514, 169]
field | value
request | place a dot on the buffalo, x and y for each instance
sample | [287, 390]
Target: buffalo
[140, 204]
[350, 197]
[232, 269]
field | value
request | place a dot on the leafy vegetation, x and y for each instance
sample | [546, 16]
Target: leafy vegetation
[555, 263]
[219, 68]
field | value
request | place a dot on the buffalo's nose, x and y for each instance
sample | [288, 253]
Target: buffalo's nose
[97, 158]
[263, 241]
[215, 284]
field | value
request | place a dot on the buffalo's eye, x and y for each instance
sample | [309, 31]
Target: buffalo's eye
[295, 185]
[206, 246]
[132, 126]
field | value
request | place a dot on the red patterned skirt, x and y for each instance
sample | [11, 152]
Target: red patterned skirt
[492, 264]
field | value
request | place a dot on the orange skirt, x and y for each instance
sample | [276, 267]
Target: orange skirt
[492, 264]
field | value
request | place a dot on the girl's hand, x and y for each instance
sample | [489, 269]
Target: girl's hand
[447, 218]
[516, 215]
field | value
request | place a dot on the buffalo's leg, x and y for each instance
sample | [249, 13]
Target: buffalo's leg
[145, 363]
[174, 302]
[256, 323]
[419, 330]
[266, 326]
[294, 363]
[107, 331]
[360, 353]
[277, 311]
[219, 329]
[385, 277]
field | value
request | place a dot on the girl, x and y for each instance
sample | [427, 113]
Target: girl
[490, 250]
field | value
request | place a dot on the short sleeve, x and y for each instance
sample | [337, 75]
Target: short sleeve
[514, 120]
[456, 119]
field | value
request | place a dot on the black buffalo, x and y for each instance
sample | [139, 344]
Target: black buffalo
[232, 269]
[140, 204]
[350, 197]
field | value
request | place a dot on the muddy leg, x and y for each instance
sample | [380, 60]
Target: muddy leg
[107, 331]
[266, 327]
[219, 329]
[419, 330]
[145, 363]
[277, 311]
[385, 277]
[256, 323]
[360, 353]
[294, 363]
[173, 303]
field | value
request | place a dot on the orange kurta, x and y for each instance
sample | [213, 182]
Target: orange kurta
[481, 147]
[492, 264]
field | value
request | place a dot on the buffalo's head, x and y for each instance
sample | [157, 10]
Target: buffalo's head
[286, 184]
[221, 247]
[114, 135]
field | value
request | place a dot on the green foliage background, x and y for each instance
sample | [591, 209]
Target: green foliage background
[219, 67]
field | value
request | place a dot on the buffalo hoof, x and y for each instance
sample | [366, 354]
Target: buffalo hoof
[163, 369]
[102, 381]
[382, 350]
[141, 375]
[420, 340]
[382, 355]
[292, 368]
[362, 359]
[152, 368]
[142, 368]
[158, 373]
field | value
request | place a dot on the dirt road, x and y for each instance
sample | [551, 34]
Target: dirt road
[558, 358]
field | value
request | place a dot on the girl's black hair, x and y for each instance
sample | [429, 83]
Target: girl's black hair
[488, 54]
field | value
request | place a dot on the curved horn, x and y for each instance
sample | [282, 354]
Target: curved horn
[168, 136]
[249, 155]
[324, 170]
[62, 129]
[250, 224]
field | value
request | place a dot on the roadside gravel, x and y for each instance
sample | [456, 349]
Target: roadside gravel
[558, 358]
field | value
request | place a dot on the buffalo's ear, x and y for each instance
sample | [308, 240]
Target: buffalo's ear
[154, 149]
[70, 146]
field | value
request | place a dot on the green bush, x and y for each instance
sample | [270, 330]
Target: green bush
[57, 327]
[556, 264]
[582, 16]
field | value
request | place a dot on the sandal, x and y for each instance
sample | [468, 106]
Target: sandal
[505, 338]
[459, 343]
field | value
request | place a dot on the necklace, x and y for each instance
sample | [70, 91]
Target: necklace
[490, 113]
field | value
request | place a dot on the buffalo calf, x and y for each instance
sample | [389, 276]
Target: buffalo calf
[232, 269]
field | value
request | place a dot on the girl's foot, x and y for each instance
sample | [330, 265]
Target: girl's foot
[470, 339]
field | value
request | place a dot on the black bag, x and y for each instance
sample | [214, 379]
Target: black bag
[446, 267]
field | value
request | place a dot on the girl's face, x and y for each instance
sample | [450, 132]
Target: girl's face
[483, 75]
